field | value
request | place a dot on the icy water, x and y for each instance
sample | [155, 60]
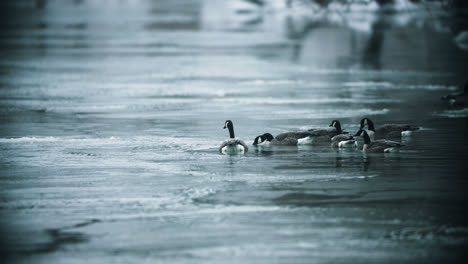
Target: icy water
[112, 113]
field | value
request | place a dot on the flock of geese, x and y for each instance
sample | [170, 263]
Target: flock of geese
[383, 139]
[376, 140]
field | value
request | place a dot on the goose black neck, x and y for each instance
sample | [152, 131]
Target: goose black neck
[366, 137]
[231, 130]
[370, 125]
[338, 127]
[256, 140]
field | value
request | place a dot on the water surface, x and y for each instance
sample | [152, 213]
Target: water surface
[112, 114]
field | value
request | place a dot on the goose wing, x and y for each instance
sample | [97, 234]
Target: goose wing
[224, 144]
[289, 141]
[233, 142]
[241, 142]
[393, 130]
[329, 131]
[341, 137]
[381, 148]
[320, 140]
[293, 135]
[385, 144]
[387, 128]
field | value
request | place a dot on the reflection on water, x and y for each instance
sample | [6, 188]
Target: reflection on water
[373, 49]
[111, 116]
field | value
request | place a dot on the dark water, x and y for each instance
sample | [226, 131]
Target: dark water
[112, 112]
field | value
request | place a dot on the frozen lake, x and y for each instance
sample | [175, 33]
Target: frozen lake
[111, 115]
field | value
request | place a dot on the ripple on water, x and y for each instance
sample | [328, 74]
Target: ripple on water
[99, 141]
[371, 85]
[453, 113]
[430, 234]
[325, 113]
[322, 100]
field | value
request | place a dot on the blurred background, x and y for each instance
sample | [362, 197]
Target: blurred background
[111, 114]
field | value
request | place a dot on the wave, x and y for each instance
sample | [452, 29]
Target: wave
[387, 85]
[334, 177]
[277, 101]
[457, 113]
[136, 142]
[324, 113]
[57, 139]
[193, 211]
[426, 234]
[273, 82]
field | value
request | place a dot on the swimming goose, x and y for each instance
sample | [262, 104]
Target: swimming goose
[283, 139]
[387, 130]
[232, 145]
[332, 130]
[313, 136]
[324, 135]
[378, 146]
[343, 141]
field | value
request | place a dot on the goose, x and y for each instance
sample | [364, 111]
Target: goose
[343, 141]
[386, 130]
[378, 146]
[458, 100]
[313, 136]
[283, 139]
[232, 145]
[324, 135]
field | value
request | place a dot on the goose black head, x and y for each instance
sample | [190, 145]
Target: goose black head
[336, 124]
[228, 124]
[260, 139]
[367, 122]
